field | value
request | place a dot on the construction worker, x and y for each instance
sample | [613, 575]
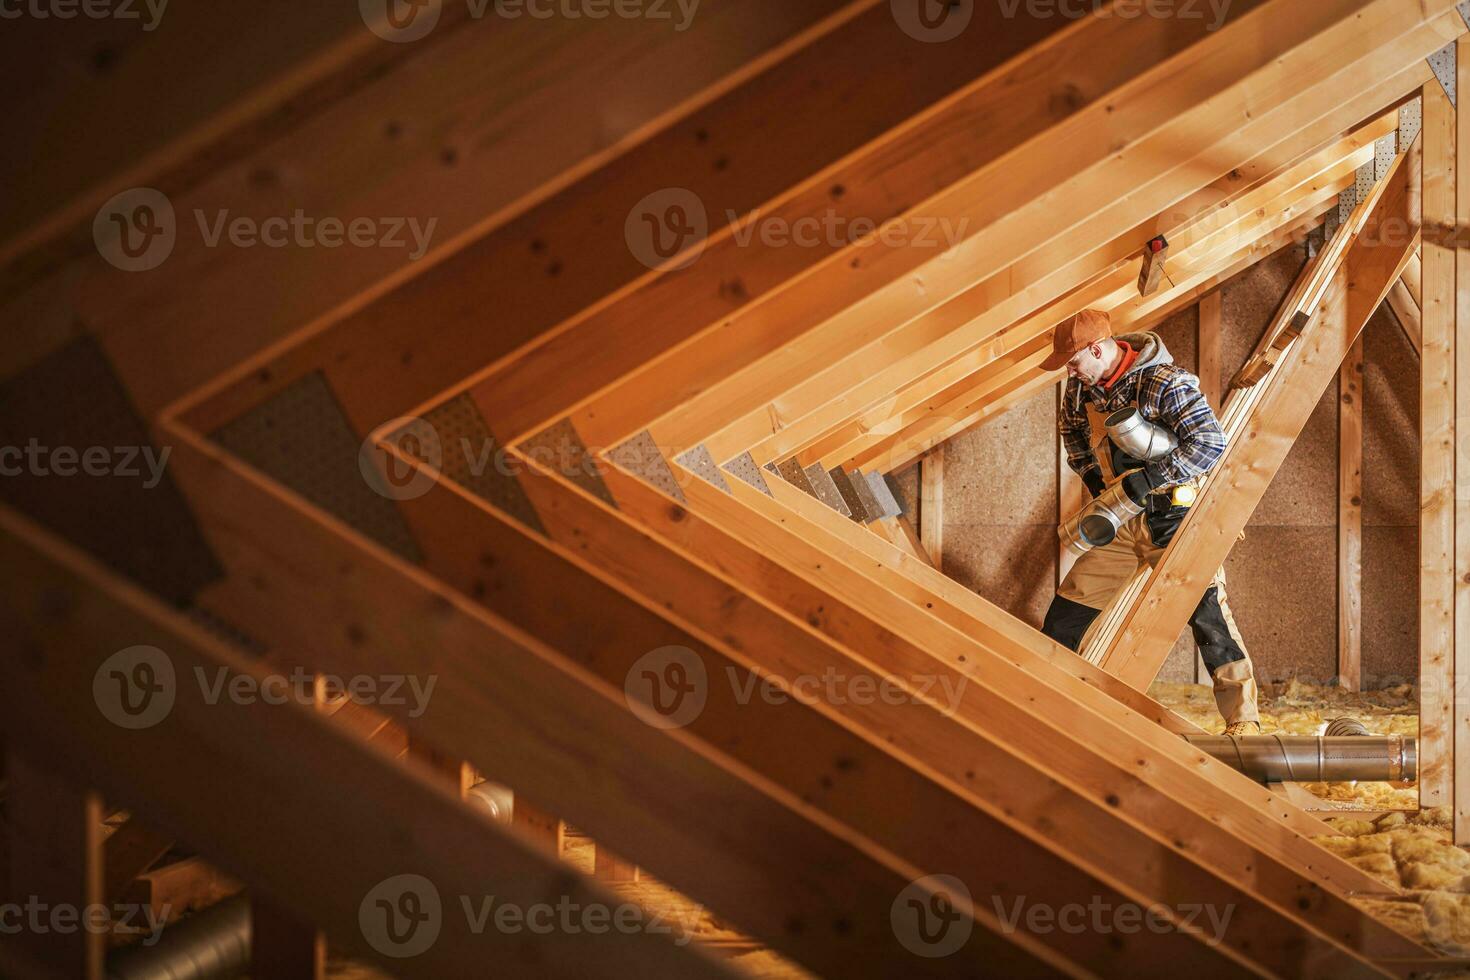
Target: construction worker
[1109, 375]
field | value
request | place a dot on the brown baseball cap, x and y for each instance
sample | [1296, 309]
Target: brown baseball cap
[1075, 333]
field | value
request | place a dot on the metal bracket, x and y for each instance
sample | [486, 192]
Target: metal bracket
[1443, 64]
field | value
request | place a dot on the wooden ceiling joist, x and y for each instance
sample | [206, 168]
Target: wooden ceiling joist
[987, 844]
[606, 769]
[931, 342]
[475, 125]
[874, 437]
[1025, 380]
[739, 146]
[372, 821]
[1029, 284]
[1039, 194]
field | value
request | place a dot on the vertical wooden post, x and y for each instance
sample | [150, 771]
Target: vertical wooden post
[1071, 494]
[539, 825]
[931, 505]
[1350, 520]
[1437, 449]
[1211, 377]
[56, 867]
[1460, 666]
[1211, 383]
[458, 775]
[607, 866]
[282, 946]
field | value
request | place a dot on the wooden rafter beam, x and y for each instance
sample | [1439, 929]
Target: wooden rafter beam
[447, 145]
[623, 780]
[1003, 210]
[74, 616]
[1177, 149]
[970, 323]
[890, 439]
[1378, 242]
[995, 399]
[842, 381]
[738, 144]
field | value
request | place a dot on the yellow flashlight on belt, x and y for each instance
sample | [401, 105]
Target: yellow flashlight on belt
[1185, 495]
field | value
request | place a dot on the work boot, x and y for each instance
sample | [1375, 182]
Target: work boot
[1242, 728]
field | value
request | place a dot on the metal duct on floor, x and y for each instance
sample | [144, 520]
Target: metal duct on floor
[212, 945]
[1315, 759]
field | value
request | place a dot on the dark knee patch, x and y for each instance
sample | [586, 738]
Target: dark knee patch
[1217, 647]
[1067, 621]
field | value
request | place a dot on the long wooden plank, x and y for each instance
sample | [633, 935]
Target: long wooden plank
[994, 400]
[748, 141]
[1406, 311]
[75, 617]
[489, 121]
[798, 433]
[908, 349]
[924, 716]
[119, 87]
[1162, 167]
[593, 760]
[54, 846]
[1460, 667]
[804, 586]
[1374, 259]
[1350, 520]
[931, 506]
[867, 442]
[989, 207]
[1437, 457]
[979, 313]
[972, 617]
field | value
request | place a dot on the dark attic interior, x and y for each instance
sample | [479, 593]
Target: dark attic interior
[734, 488]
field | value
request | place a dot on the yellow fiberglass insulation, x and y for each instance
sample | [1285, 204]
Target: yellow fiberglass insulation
[1416, 855]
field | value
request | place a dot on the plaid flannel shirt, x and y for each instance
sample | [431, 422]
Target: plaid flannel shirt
[1166, 394]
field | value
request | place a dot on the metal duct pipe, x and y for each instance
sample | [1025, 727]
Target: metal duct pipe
[212, 945]
[1138, 437]
[1098, 523]
[1315, 759]
[1345, 726]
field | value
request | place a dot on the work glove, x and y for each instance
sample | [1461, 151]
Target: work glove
[1093, 479]
[1136, 484]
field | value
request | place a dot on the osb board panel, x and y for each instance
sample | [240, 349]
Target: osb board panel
[1282, 587]
[79, 460]
[1013, 566]
[1304, 491]
[905, 484]
[1180, 333]
[1003, 472]
[1179, 668]
[1390, 425]
[1250, 300]
[1390, 605]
